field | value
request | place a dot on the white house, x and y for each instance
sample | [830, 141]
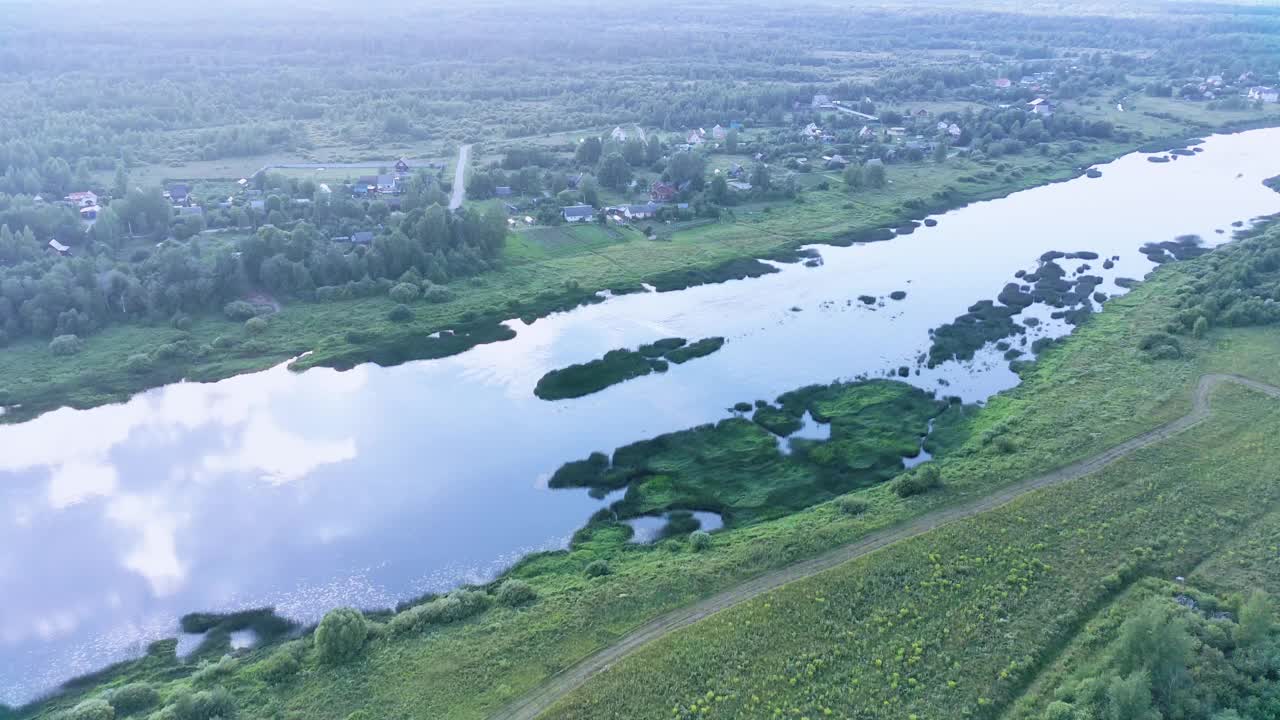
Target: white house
[719, 133]
[618, 135]
[83, 199]
[579, 213]
[812, 131]
[1264, 94]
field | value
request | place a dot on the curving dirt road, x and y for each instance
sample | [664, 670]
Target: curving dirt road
[535, 703]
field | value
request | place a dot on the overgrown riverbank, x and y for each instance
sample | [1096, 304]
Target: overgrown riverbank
[532, 282]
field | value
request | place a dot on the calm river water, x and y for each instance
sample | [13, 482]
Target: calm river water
[309, 491]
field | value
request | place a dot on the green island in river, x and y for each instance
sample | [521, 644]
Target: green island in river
[621, 365]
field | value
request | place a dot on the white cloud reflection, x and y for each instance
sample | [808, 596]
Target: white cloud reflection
[90, 459]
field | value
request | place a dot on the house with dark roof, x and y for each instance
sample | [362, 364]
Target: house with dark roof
[178, 193]
[402, 166]
[662, 191]
[578, 213]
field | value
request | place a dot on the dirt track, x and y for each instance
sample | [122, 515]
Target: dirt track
[535, 703]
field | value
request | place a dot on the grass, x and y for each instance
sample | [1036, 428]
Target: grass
[953, 623]
[1081, 397]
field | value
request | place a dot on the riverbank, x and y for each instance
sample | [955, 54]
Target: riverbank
[1095, 391]
[535, 280]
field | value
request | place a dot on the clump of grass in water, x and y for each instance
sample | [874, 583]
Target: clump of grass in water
[621, 365]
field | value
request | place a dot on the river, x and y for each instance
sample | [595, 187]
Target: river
[308, 491]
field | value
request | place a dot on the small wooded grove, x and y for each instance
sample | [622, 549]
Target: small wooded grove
[46, 295]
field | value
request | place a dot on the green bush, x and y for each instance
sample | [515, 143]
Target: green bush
[279, 667]
[598, 568]
[340, 635]
[204, 705]
[400, 313]
[438, 295]
[92, 709]
[222, 342]
[514, 593]
[1059, 710]
[699, 541]
[239, 310]
[255, 325]
[181, 321]
[920, 481]
[850, 505]
[138, 363]
[65, 345]
[455, 606]
[133, 697]
[404, 292]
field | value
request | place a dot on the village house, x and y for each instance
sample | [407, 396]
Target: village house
[1003, 83]
[866, 132]
[578, 213]
[364, 237]
[1264, 94]
[640, 212]
[90, 213]
[837, 162]
[618, 135]
[740, 185]
[574, 181]
[386, 184]
[59, 248]
[402, 166]
[82, 199]
[695, 137]
[1041, 106]
[178, 193]
[502, 191]
[812, 131]
[719, 133]
[662, 191]
[821, 102]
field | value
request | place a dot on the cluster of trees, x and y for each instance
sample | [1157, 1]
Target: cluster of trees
[45, 295]
[1169, 661]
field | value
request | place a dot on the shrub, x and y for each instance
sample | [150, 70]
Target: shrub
[1059, 710]
[279, 667]
[438, 295]
[400, 313]
[181, 321]
[597, 568]
[340, 635]
[92, 709]
[920, 481]
[133, 697]
[65, 345]
[514, 593]
[699, 541]
[223, 342]
[255, 325]
[239, 310]
[404, 292]
[138, 363]
[204, 705]
[850, 505]
[453, 607]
